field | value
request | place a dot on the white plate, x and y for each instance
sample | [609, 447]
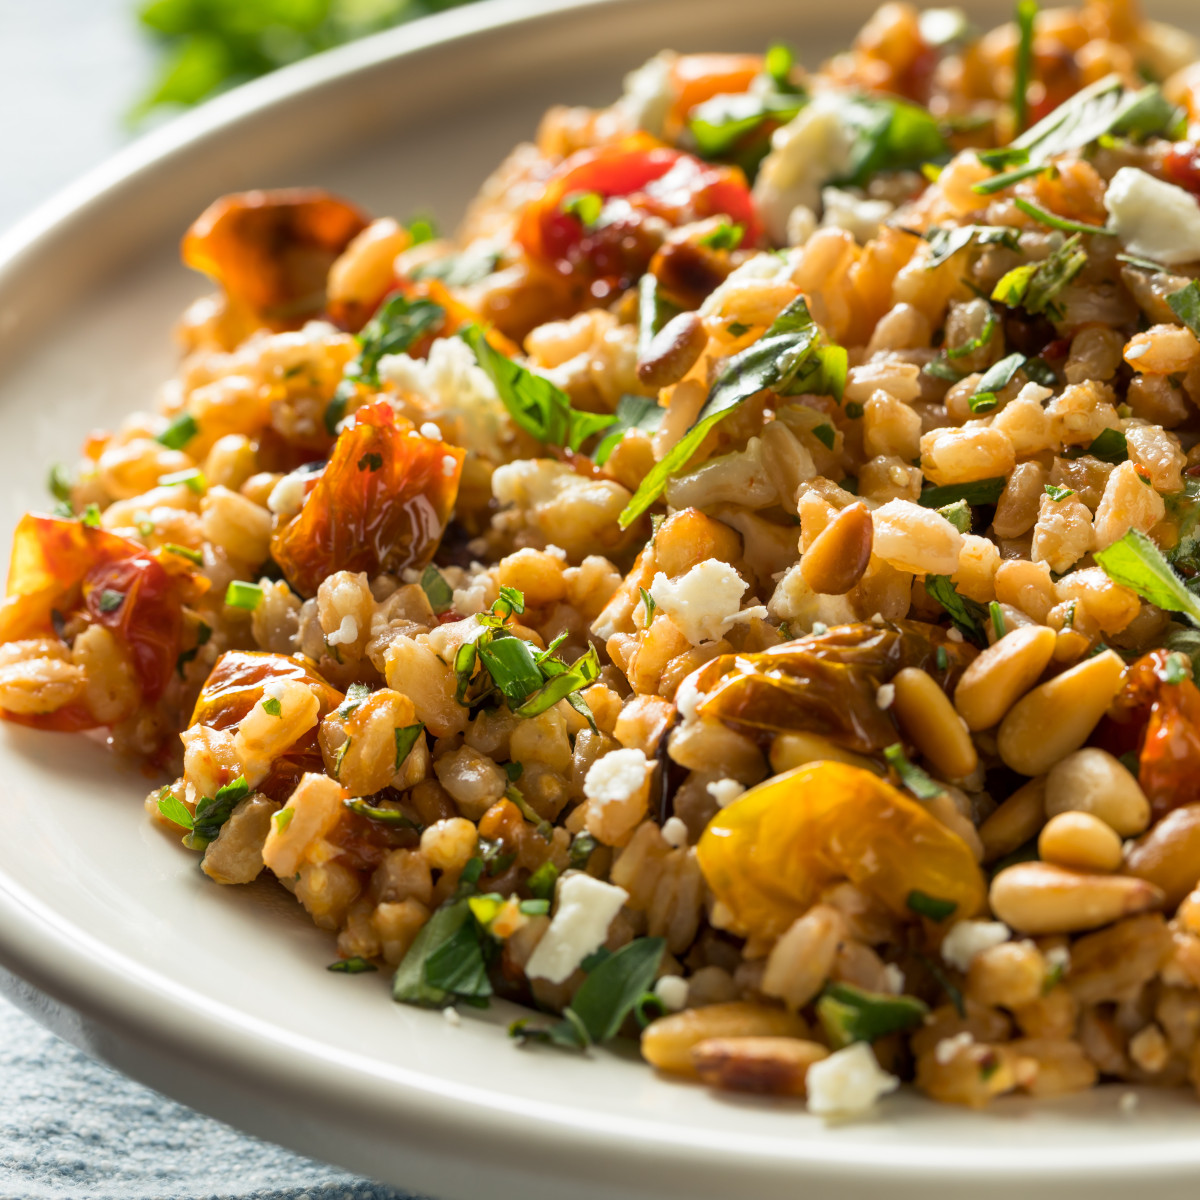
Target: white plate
[218, 996]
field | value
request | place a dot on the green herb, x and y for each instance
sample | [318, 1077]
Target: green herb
[736, 329]
[1041, 372]
[648, 601]
[778, 63]
[583, 671]
[356, 693]
[470, 267]
[1187, 643]
[853, 410]
[192, 479]
[174, 809]
[642, 413]
[282, 819]
[946, 242]
[357, 965]
[726, 236]
[543, 880]
[999, 625]
[110, 599]
[941, 368]
[272, 707]
[422, 230]
[370, 462]
[193, 556]
[1185, 304]
[995, 379]
[384, 816]
[850, 1014]
[1137, 563]
[515, 796]
[607, 996]
[91, 516]
[825, 434]
[733, 127]
[785, 359]
[887, 135]
[932, 907]
[1057, 493]
[59, 483]
[1023, 70]
[1144, 264]
[913, 778]
[980, 491]
[179, 432]
[399, 322]
[978, 342]
[1053, 978]
[1035, 286]
[437, 591]
[943, 980]
[514, 771]
[585, 206]
[445, 955]
[511, 663]
[958, 514]
[534, 908]
[335, 410]
[1054, 221]
[654, 311]
[213, 811]
[1111, 447]
[539, 407]
[203, 633]
[406, 738]
[943, 659]
[966, 615]
[1178, 668]
[583, 845]
[240, 594]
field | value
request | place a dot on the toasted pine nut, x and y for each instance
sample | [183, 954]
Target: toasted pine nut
[1015, 821]
[673, 351]
[1092, 781]
[839, 555]
[1169, 855]
[776, 1065]
[1037, 897]
[927, 716]
[1057, 716]
[790, 750]
[668, 1042]
[1080, 841]
[1002, 674]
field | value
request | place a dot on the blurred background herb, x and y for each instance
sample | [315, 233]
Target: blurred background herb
[211, 45]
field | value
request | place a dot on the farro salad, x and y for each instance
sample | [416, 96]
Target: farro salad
[744, 589]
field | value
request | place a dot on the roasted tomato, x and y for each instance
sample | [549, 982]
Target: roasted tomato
[233, 688]
[381, 503]
[826, 683]
[769, 854]
[1159, 720]
[1182, 166]
[271, 251]
[699, 77]
[646, 188]
[64, 568]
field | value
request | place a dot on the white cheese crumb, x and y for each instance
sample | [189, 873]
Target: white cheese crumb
[701, 601]
[885, 695]
[847, 1083]
[1058, 958]
[452, 1016]
[648, 94]
[854, 213]
[410, 575]
[1154, 219]
[724, 791]
[1128, 1103]
[431, 431]
[276, 689]
[616, 776]
[947, 1048]
[894, 978]
[672, 990]
[757, 610]
[953, 634]
[687, 700]
[287, 496]
[344, 634]
[449, 465]
[584, 909]
[969, 938]
[675, 832]
[801, 225]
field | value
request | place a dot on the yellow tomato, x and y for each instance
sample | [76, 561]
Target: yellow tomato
[769, 854]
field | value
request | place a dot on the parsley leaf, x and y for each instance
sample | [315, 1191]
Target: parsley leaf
[174, 809]
[399, 322]
[583, 671]
[406, 738]
[1110, 446]
[357, 965]
[1034, 286]
[930, 906]
[213, 811]
[981, 491]
[995, 379]
[437, 591]
[1185, 304]
[1023, 69]
[850, 1014]
[968, 616]
[642, 413]
[1057, 493]
[429, 974]
[887, 135]
[917, 781]
[179, 432]
[946, 242]
[1045, 217]
[471, 266]
[1137, 563]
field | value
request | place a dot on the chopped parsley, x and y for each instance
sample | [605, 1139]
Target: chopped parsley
[980, 491]
[406, 738]
[912, 777]
[586, 207]
[945, 242]
[1023, 69]
[725, 236]
[1058, 494]
[437, 591]
[357, 965]
[110, 600]
[1185, 304]
[241, 594]
[851, 1014]
[995, 379]
[999, 625]
[179, 432]
[1045, 217]
[213, 811]
[272, 706]
[1135, 562]
[192, 479]
[1035, 287]
[642, 413]
[966, 615]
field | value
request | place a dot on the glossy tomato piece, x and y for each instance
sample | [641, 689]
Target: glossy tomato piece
[235, 685]
[271, 250]
[1182, 166]
[381, 504]
[647, 188]
[769, 854]
[696, 78]
[826, 683]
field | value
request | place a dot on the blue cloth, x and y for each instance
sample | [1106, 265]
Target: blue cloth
[71, 1128]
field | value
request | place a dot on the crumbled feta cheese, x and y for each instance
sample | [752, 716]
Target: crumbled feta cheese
[687, 700]
[449, 465]
[947, 1048]
[885, 695]
[287, 496]
[701, 602]
[275, 689]
[616, 776]
[1153, 218]
[724, 791]
[431, 431]
[969, 938]
[583, 911]
[675, 832]
[894, 978]
[758, 611]
[801, 225]
[410, 575]
[452, 1015]
[847, 1083]
[853, 213]
[953, 634]
[344, 634]
[1058, 958]
[672, 990]
[648, 94]
[1128, 1103]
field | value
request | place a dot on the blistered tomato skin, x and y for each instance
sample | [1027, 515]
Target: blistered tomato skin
[381, 503]
[769, 854]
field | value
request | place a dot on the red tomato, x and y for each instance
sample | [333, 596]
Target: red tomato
[699, 77]
[1182, 166]
[657, 187]
[381, 503]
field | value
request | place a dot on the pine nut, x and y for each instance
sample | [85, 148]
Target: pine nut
[1169, 855]
[928, 718]
[1057, 716]
[1037, 897]
[790, 750]
[1080, 841]
[668, 1042]
[673, 351]
[1092, 781]
[840, 553]
[1016, 820]
[774, 1065]
[1002, 674]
